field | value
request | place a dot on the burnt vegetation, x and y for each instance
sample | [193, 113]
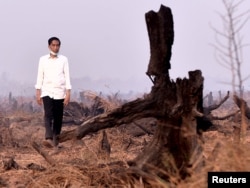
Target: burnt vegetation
[157, 140]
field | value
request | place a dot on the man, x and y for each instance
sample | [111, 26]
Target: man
[53, 90]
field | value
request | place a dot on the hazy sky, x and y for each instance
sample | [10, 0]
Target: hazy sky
[109, 39]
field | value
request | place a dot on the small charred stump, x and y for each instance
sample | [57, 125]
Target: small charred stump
[10, 163]
[104, 146]
[242, 104]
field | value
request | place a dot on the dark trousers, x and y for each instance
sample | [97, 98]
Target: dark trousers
[52, 117]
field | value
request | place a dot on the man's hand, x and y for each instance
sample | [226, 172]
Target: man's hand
[67, 98]
[38, 97]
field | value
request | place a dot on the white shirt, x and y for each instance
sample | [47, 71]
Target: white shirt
[53, 76]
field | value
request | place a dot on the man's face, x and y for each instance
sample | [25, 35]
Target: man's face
[54, 46]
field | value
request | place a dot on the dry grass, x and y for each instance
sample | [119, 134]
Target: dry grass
[222, 155]
[79, 164]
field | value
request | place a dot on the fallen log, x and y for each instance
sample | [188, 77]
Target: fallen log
[43, 153]
[125, 114]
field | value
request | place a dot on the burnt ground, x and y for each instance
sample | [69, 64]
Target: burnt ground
[81, 164]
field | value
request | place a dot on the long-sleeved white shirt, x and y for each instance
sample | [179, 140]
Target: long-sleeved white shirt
[53, 76]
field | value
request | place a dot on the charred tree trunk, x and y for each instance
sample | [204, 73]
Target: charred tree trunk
[176, 146]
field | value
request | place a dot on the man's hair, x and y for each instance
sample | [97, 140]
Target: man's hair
[54, 38]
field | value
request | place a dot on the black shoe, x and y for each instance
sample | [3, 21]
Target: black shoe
[55, 140]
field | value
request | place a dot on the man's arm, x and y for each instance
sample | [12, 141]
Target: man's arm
[39, 82]
[68, 84]
[67, 97]
[38, 96]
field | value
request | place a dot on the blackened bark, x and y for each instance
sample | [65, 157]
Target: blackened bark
[161, 38]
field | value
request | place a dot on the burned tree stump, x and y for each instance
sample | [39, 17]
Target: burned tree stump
[176, 145]
[176, 148]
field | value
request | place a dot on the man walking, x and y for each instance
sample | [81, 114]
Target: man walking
[53, 90]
